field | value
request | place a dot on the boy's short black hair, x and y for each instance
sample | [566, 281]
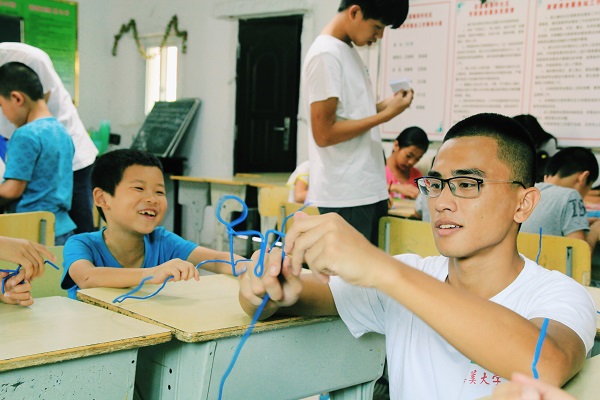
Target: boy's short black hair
[515, 146]
[413, 136]
[109, 168]
[572, 160]
[390, 12]
[18, 77]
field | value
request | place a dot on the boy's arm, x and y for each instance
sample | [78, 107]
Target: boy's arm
[11, 189]
[327, 130]
[491, 335]
[86, 275]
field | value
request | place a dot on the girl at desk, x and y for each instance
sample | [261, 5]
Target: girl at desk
[400, 171]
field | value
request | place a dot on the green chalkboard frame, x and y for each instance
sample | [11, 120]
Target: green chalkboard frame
[51, 25]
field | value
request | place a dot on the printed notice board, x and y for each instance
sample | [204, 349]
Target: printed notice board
[165, 125]
[50, 25]
[538, 57]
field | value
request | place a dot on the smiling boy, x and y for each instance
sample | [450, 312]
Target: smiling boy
[129, 193]
[459, 324]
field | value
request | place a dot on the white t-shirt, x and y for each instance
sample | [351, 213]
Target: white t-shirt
[351, 173]
[422, 364]
[60, 104]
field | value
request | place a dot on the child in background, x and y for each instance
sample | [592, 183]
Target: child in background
[400, 173]
[30, 256]
[39, 157]
[568, 178]
[129, 193]
[298, 183]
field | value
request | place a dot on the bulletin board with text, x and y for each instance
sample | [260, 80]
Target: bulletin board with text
[50, 25]
[538, 57]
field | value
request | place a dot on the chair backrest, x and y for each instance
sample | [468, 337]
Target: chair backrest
[270, 200]
[288, 209]
[49, 283]
[401, 235]
[567, 255]
[35, 226]
[570, 256]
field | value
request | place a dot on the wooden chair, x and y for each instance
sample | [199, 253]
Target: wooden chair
[35, 226]
[567, 255]
[49, 283]
[401, 235]
[289, 208]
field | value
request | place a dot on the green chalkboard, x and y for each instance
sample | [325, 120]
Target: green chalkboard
[50, 25]
[165, 125]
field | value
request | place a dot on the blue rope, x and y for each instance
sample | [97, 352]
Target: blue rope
[241, 344]
[537, 258]
[538, 348]
[258, 271]
[15, 272]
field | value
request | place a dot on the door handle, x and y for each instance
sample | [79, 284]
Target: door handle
[286, 132]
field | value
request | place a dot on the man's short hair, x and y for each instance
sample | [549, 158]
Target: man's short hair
[18, 77]
[572, 160]
[390, 12]
[109, 168]
[515, 146]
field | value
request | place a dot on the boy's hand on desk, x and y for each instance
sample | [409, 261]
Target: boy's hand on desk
[17, 290]
[179, 269]
[30, 256]
[278, 281]
[330, 246]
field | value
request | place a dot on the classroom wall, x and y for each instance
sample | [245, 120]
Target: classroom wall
[113, 87]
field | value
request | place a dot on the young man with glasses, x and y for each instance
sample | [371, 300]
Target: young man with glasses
[459, 324]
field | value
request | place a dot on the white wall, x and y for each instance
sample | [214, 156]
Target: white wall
[113, 87]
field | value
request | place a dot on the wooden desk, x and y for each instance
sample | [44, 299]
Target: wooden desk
[198, 192]
[284, 358]
[584, 385]
[61, 348]
[404, 208]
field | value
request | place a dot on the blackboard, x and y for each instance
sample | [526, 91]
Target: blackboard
[10, 28]
[165, 125]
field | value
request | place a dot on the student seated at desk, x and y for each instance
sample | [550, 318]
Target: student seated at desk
[298, 183]
[129, 193]
[38, 174]
[568, 178]
[400, 171]
[456, 325]
[30, 256]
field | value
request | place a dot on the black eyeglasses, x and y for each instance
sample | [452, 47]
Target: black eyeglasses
[461, 186]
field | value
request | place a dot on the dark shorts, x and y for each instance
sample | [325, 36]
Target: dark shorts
[364, 219]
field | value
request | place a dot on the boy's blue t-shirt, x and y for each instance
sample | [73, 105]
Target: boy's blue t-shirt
[160, 247]
[41, 153]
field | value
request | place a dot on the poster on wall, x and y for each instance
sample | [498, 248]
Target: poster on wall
[50, 25]
[538, 57]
